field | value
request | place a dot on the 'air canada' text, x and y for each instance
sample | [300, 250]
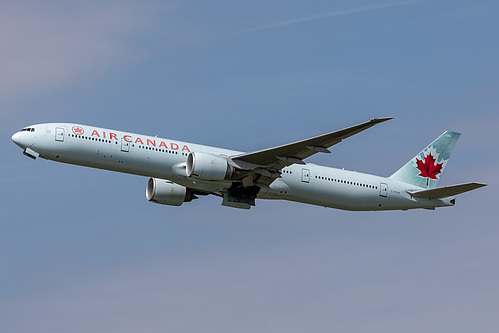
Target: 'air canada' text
[138, 140]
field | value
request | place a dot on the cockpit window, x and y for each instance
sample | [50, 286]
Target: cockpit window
[28, 129]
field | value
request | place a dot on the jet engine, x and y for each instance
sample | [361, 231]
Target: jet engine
[165, 192]
[205, 166]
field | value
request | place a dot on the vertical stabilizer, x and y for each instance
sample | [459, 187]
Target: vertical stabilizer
[425, 169]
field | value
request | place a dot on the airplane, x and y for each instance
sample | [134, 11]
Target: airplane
[180, 171]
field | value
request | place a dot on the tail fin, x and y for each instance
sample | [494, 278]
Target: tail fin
[425, 169]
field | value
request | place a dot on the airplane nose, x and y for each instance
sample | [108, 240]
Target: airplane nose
[17, 138]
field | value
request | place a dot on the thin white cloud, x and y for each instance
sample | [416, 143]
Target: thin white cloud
[331, 14]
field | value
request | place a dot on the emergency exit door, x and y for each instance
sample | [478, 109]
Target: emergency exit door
[305, 175]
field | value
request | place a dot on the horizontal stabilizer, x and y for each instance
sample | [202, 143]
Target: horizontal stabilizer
[447, 191]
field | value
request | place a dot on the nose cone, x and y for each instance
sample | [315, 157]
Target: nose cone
[19, 139]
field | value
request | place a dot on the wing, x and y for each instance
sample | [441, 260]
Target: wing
[279, 157]
[268, 162]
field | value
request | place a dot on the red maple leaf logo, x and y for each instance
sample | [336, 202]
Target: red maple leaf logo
[78, 130]
[429, 167]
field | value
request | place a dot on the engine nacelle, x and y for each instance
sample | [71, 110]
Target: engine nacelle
[165, 192]
[205, 166]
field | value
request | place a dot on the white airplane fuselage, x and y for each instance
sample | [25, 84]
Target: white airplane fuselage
[161, 158]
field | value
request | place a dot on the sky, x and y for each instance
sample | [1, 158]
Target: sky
[83, 250]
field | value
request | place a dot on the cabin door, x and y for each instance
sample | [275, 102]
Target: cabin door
[125, 145]
[383, 189]
[59, 134]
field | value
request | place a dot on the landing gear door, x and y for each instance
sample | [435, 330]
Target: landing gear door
[383, 189]
[59, 134]
[125, 145]
[305, 175]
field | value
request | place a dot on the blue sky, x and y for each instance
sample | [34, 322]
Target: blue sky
[82, 250]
